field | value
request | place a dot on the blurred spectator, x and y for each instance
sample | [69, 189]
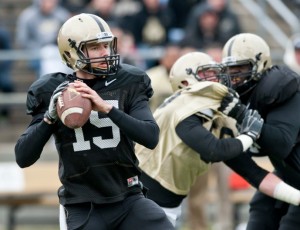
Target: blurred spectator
[38, 25]
[204, 30]
[51, 61]
[228, 21]
[126, 47]
[291, 55]
[74, 6]
[215, 51]
[159, 76]
[104, 9]
[127, 7]
[6, 83]
[187, 49]
[150, 25]
[181, 10]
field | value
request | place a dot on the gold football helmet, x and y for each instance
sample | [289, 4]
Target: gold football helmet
[73, 36]
[246, 49]
[192, 68]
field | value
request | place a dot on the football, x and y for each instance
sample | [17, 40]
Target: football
[73, 109]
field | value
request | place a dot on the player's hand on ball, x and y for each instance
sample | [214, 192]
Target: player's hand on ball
[72, 108]
[51, 114]
[98, 104]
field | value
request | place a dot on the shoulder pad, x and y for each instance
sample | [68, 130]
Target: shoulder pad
[276, 86]
[40, 92]
[129, 74]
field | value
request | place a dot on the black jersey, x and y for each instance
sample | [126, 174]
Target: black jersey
[277, 98]
[97, 162]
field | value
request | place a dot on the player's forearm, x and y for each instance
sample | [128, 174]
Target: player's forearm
[144, 132]
[275, 187]
[210, 148]
[246, 167]
[31, 143]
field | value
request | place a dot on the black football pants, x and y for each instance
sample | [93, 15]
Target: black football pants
[267, 213]
[135, 212]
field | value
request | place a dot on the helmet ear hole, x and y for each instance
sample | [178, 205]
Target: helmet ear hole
[265, 64]
[185, 83]
[66, 60]
[67, 54]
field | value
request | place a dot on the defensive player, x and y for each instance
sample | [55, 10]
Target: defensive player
[274, 92]
[193, 134]
[98, 168]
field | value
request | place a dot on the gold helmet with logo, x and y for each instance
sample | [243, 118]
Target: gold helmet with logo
[192, 68]
[80, 30]
[247, 49]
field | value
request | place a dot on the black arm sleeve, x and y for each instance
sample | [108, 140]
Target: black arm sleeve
[31, 143]
[139, 125]
[281, 128]
[210, 148]
[248, 169]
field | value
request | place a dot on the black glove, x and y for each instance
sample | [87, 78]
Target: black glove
[232, 106]
[252, 124]
[51, 113]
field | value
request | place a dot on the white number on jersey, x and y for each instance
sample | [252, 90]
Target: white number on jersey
[81, 144]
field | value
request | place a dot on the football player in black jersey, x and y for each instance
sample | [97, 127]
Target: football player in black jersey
[194, 134]
[98, 169]
[273, 90]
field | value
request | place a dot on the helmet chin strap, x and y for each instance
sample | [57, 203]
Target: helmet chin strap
[111, 70]
[246, 88]
[99, 73]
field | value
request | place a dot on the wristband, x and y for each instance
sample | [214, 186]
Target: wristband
[287, 193]
[246, 141]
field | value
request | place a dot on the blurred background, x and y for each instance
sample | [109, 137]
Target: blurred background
[152, 34]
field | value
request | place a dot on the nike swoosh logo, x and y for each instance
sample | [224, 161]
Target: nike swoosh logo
[109, 82]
